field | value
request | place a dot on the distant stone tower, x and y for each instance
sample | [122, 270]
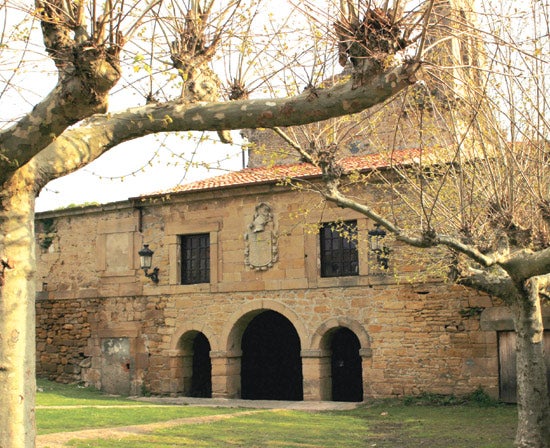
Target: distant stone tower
[432, 113]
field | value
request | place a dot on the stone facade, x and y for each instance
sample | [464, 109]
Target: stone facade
[102, 322]
[382, 333]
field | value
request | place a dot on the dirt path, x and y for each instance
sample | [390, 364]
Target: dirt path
[59, 439]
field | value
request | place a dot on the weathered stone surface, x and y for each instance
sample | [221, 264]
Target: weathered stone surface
[414, 334]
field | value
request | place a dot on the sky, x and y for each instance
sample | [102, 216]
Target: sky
[139, 167]
[148, 165]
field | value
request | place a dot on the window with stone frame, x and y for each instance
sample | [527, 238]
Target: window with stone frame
[339, 255]
[195, 258]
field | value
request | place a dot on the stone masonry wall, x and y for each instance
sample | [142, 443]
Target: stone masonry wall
[63, 333]
[93, 299]
[419, 342]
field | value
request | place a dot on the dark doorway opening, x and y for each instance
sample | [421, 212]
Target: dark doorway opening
[271, 366]
[201, 379]
[346, 369]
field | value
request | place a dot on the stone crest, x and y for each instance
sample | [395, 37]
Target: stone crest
[261, 240]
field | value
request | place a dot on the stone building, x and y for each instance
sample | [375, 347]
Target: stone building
[260, 294]
[265, 291]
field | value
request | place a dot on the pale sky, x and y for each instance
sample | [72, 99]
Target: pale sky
[135, 168]
[147, 165]
[139, 167]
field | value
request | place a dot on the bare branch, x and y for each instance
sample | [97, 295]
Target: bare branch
[293, 144]
[110, 130]
[500, 286]
[426, 240]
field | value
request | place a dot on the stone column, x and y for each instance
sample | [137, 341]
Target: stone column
[226, 374]
[366, 368]
[175, 362]
[316, 374]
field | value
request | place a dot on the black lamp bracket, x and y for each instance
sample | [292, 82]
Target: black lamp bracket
[154, 276]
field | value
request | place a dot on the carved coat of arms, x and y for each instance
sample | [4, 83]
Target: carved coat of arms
[261, 246]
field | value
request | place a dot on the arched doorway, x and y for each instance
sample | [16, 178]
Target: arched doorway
[271, 366]
[346, 368]
[201, 377]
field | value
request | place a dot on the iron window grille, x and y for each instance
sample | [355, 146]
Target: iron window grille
[339, 256]
[195, 259]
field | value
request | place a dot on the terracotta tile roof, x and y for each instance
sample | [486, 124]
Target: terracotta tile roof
[252, 176]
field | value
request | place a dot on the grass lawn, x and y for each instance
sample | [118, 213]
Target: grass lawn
[387, 424]
[55, 394]
[83, 408]
[376, 426]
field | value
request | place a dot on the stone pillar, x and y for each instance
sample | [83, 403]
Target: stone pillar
[316, 374]
[226, 374]
[181, 372]
[175, 362]
[366, 368]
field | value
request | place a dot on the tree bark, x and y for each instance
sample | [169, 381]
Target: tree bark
[518, 285]
[17, 316]
[86, 142]
[533, 404]
[69, 102]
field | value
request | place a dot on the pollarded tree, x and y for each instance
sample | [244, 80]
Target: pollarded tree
[88, 46]
[478, 181]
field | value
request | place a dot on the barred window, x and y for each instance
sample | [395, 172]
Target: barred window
[195, 258]
[339, 255]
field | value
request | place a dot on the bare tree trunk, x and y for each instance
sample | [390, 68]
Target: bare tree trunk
[17, 317]
[533, 404]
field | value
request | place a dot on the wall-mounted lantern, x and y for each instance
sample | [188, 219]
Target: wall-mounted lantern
[377, 247]
[146, 261]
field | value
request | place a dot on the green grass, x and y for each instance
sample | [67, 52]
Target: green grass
[63, 420]
[55, 394]
[384, 424]
[377, 426]
[84, 408]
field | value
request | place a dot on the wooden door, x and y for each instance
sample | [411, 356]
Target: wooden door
[507, 364]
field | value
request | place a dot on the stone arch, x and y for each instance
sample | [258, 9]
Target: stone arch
[343, 348]
[319, 340]
[237, 323]
[232, 335]
[190, 363]
[177, 340]
[271, 360]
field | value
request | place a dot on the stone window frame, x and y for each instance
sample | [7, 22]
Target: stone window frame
[173, 234]
[313, 254]
[341, 250]
[199, 271]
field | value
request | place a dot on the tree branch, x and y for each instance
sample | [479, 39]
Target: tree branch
[500, 286]
[86, 73]
[293, 144]
[424, 241]
[50, 117]
[525, 264]
[94, 136]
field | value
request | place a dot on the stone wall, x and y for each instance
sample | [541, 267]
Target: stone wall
[100, 321]
[63, 333]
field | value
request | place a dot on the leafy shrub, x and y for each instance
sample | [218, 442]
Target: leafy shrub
[479, 397]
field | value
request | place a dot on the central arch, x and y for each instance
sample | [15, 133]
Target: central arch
[271, 366]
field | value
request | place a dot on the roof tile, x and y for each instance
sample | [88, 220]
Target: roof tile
[251, 176]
